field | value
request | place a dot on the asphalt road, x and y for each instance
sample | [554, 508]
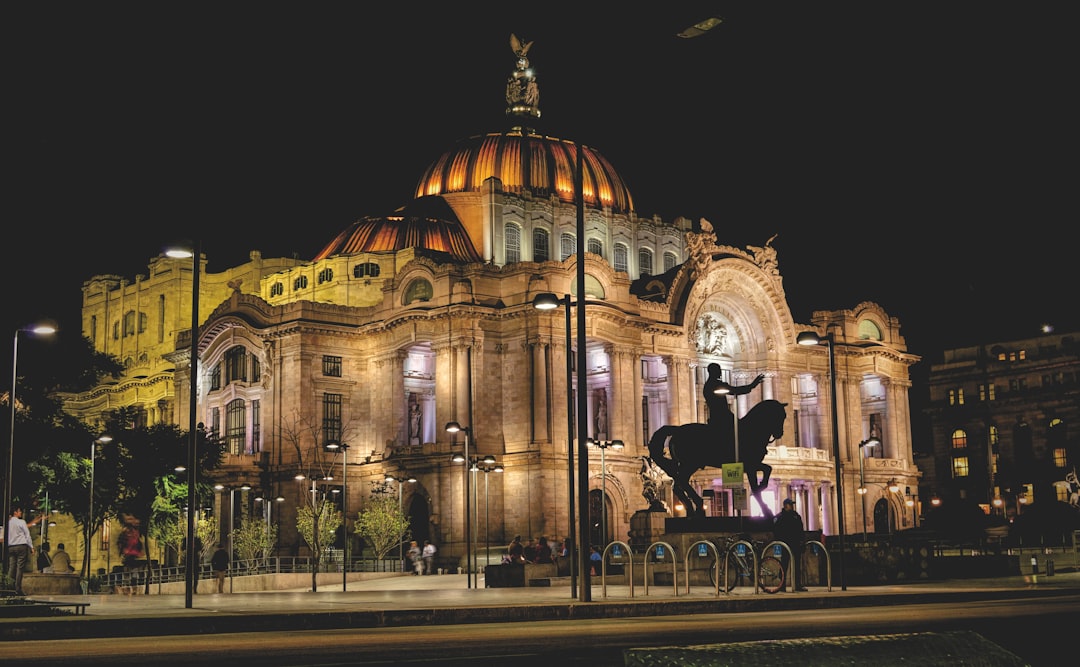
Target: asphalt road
[1037, 630]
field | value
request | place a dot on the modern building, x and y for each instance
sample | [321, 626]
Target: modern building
[1000, 418]
[406, 322]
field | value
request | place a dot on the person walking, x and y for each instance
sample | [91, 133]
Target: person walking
[788, 528]
[20, 546]
[219, 563]
[416, 557]
[428, 554]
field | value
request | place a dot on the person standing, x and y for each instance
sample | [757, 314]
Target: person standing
[416, 557]
[788, 528]
[219, 563]
[20, 546]
[428, 554]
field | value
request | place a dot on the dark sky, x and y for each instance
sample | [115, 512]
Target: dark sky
[912, 154]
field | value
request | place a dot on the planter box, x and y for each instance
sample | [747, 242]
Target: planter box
[52, 584]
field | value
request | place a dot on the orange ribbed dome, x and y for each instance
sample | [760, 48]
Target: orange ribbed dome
[427, 222]
[523, 160]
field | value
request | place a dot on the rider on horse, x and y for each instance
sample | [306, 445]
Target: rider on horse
[720, 415]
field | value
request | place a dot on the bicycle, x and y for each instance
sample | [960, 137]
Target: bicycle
[770, 575]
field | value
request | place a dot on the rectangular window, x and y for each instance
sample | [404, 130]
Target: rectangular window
[215, 421]
[1018, 384]
[956, 396]
[960, 467]
[1059, 457]
[256, 427]
[331, 366]
[256, 369]
[215, 377]
[987, 391]
[332, 418]
[541, 252]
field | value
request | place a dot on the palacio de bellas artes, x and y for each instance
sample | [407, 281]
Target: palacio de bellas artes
[406, 322]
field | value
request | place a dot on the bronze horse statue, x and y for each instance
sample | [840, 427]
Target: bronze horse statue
[692, 447]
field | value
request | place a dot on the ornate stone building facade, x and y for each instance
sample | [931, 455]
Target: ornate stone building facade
[408, 321]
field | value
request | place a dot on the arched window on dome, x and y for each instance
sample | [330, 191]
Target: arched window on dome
[418, 290]
[300, 283]
[326, 275]
[670, 260]
[277, 289]
[644, 260]
[567, 246]
[621, 255]
[366, 270]
[595, 246]
[541, 245]
[512, 235]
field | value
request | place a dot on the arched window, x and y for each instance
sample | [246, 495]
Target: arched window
[326, 275]
[670, 260]
[513, 243]
[959, 438]
[236, 365]
[567, 246]
[595, 246]
[418, 290]
[541, 249]
[644, 260]
[277, 289]
[300, 283]
[236, 426]
[622, 258]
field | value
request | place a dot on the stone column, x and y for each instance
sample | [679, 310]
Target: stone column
[541, 391]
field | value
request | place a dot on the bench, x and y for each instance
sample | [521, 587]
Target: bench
[78, 607]
[59, 583]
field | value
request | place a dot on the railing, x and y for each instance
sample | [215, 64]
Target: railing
[275, 565]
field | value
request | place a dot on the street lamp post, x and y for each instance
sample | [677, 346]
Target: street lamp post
[454, 427]
[811, 338]
[335, 446]
[37, 330]
[871, 442]
[486, 465]
[548, 301]
[193, 439]
[400, 480]
[603, 445]
[90, 523]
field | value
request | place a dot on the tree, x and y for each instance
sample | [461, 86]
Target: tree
[254, 539]
[317, 526]
[382, 523]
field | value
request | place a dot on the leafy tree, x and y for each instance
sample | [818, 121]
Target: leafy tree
[254, 539]
[381, 522]
[317, 526]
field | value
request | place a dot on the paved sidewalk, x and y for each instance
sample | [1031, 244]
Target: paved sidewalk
[403, 600]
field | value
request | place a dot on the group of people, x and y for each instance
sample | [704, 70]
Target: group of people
[422, 558]
[20, 546]
[537, 551]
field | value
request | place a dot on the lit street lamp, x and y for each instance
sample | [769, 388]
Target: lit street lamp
[90, 523]
[400, 480]
[871, 442]
[37, 330]
[454, 427]
[486, 465]
[195, 253]
[334, 447]
[548, 301]
[811, 338]
[603, 446]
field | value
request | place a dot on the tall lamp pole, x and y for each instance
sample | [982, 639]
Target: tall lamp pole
[811, 338]
[38, 330]
[193, 437]
[548, 301]
[90, 523]
[335, 446]
[400, 480]
[872, 442]
[454, 427]
[603, 445]
[488, 465]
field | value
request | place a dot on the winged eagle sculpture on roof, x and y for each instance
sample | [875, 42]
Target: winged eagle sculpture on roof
[519, 50]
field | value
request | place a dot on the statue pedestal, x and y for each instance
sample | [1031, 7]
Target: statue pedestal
[646, 527]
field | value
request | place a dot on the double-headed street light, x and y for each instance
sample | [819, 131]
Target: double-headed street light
[870, 442]
[548, 301]
[486, 465]
[334, 447]
[811, 338]
[37, 330]
[195, 253]
[454, 427]
[400, 481]
[603, 446]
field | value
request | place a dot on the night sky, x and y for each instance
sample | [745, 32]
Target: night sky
[911, 154]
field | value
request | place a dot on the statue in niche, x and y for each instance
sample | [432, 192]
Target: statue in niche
[415, 419]
[709, 335]
[601, 416]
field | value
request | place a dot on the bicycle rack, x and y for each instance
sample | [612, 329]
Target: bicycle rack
[791, 560]
[674, 565]
[630, 570]
[686, 563]
[828, 562]
[753, 570]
